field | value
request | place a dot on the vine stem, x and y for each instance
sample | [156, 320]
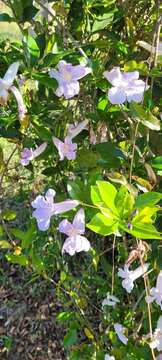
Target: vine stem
[133, 152]
[6, 166]
[113, 265]
[61, 27]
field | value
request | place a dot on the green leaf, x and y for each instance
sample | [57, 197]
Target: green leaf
[110, 154]
[102, 225]
[143, 231]
[31, 49]
[147, 199]
[102, 21]
[26, 237]
[70, 338]
[37, 262]
[8, 215]
[5, 244]
[17, 259]
[157, 162]
[6, 18]
[108, 193]
[124, 202]
[65, 316]
[145, 117]
[45, 79]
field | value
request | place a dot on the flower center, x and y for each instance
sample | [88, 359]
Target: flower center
[66, 75]
[73, 231]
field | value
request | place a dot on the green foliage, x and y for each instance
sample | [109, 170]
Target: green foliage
[116, 176]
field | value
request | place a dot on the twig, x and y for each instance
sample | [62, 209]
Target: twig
[6, 166]
[61, 27]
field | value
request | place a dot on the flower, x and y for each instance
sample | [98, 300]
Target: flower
[75, 130]
[157, 336]
[6, 86]
[108, 357]
[75, 241]
[119, 329]
[66, 148]
[43, 12]
[130, 276]
[67, 77]
[156, 292]
[45, 208]
[126, 86]
[159, 357]
[110, 300]
[29, 154]
[150, 48]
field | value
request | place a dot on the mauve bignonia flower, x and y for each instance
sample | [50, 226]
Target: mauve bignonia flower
[159, 357]
[67, 148]
[119, 329]
[126, 86]
[110, 300]
[157, 336]
[29, 154]
[75, 241]
[130, 276]
[6, 85]
[67, 77]
[45, 208]
[156, 292]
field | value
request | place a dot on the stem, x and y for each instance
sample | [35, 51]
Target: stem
[113, 265]
[6, 166]
[133, 152]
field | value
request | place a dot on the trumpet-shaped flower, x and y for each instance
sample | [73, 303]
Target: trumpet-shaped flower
[75, 242]
[6, 85]
[29, 154]
[126, 86]
[108, 357]
[130, 276]
[110, 300]
[119, 329]
[45, 208]
[159, 357]
[156, 292]
[67, 77]
[66, 149]
[157, 336]
[76, 130]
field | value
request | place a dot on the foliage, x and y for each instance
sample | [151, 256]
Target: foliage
[115, 173]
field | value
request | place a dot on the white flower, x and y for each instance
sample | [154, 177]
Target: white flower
[156, 292]
[110, 300]
[108, 357]
[130, 276]
[125, 86]
[119, 331]
[157, 337]
[29, 154]
[6, 85]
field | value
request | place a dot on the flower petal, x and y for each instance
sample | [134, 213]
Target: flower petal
[75, 130]
[60, 147]
[116, 95]
[114, 76]
[11, 72]
[65, 206]
[39, 150]
[71, 89]
[129, 76]
[65, 226]
[20, 102]
[79, 221]
[119, 331]
[79, 71]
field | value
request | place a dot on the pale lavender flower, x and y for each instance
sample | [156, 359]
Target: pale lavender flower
[159, 357]
[110, 300]
[74, 130]
[126, 86]
[6, 85]
[156, 292]
[130, 276]
[67, 77]
[119, 329]
[108, 357]
[29, 154]
[45, 208]
[75, 241]
[66, 149]
[157, 336]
